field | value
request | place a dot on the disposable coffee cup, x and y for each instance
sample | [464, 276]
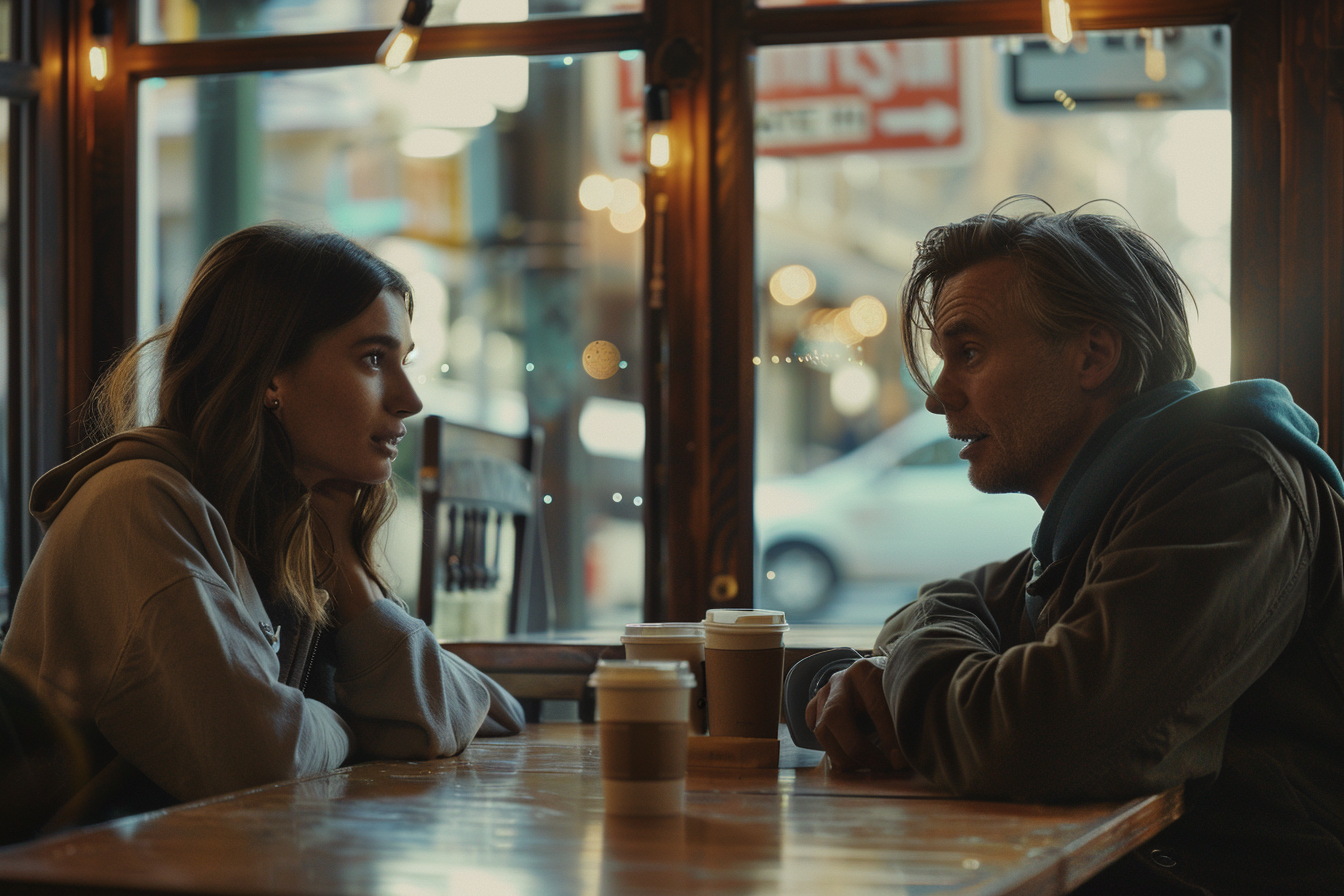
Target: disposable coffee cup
[643, 708]
[744, 671]
[672, 641]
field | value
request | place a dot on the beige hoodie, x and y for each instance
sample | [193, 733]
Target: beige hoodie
[138, 619]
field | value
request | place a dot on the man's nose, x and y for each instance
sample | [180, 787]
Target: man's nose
[934, 406]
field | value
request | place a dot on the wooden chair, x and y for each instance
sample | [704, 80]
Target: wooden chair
[481, 523]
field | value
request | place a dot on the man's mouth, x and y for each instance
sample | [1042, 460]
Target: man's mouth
[969, 438]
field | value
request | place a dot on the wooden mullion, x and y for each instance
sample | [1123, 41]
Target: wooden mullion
[1256, 163]
[732, 314]
[542, 37]
[19, 80]
[938, 18]
[1302, 211]
[103, 316]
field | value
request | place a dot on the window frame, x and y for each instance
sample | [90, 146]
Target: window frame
[699, 326]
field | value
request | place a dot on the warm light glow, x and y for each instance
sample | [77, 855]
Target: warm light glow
[596, 192]
[609, 427]
[1154, 58]
[1057, 19]
[842, 327]
[854, 389]
[660, 149]
[601, 359]
[868, 315]
[98, 64]
[628, 221]
[491, 11]
[399, 47]
[431, 143]
[791, 284]
[624, 196]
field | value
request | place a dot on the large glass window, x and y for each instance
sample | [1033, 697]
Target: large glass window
[508, 190]
[186, 20]
[861, 149]
[5, 265]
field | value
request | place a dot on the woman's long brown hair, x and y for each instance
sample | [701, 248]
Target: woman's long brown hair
[258, 300]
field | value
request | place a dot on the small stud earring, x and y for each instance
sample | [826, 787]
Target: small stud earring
[273, 404]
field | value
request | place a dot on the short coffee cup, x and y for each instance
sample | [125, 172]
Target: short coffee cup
[672, 641]
[642, 713]
[744, 671]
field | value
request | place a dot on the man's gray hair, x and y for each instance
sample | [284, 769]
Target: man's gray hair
[1074, 269]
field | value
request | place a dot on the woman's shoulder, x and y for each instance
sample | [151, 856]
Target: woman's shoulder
[150, 466]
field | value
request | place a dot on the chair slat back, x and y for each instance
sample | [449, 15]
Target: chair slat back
[478, 491]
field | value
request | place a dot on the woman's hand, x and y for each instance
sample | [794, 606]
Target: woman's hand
[852, 721]
[351, 588]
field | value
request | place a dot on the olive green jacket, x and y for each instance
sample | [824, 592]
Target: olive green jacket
[1194, 638]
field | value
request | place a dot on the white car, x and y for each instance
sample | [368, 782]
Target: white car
[898, 508]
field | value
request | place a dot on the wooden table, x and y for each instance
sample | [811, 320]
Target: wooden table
[520, 816]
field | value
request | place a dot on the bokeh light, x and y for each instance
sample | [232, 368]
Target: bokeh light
[601, 359]
[792, 284]
[624, 196]
[868, 315]
[843, 328]
[596, 192]
[629, 221]
[853, 389]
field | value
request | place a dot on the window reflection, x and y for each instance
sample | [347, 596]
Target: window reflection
[167, 21]
[466, 174]
[862, 148]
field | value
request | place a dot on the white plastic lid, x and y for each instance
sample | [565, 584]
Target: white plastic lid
[642, 674]
[747, 620]
[665, 632]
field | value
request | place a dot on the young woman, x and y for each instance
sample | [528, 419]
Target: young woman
[205, 603]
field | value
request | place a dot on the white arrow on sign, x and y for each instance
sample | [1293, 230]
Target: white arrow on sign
[935, 118]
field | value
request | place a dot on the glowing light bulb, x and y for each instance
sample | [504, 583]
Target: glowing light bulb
[399, 47]
[1057, 18]
[98, 64]
[660, 148]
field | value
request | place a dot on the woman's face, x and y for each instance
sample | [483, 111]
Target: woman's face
[342, 403]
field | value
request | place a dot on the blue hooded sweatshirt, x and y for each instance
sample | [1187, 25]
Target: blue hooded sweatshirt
[1128, 439]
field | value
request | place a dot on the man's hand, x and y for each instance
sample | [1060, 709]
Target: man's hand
[852, 721]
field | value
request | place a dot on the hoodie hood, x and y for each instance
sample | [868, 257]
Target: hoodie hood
[1128, 439]
[58, 485]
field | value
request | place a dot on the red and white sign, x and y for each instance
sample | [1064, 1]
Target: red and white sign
[815, 99]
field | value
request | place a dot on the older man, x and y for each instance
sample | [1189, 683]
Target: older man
[1179, 619]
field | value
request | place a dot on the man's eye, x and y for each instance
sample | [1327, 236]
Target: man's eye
[375, 359]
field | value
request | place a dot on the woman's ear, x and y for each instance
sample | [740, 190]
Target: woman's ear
[272, 397]
[1099, 356]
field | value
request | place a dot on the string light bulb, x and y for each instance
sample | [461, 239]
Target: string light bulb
[1154, 57]
[657, 119]
[398, 48]
[100, 26]
[1057, 19]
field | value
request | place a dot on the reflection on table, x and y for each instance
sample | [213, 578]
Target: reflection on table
[524, 815]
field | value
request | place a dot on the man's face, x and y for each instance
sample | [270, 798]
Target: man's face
[1011, 395]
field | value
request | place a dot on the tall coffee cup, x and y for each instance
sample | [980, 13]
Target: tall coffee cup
[744, 671]
[642, 712]
[672, 641]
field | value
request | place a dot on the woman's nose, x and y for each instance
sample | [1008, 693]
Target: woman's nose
[405, 401]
